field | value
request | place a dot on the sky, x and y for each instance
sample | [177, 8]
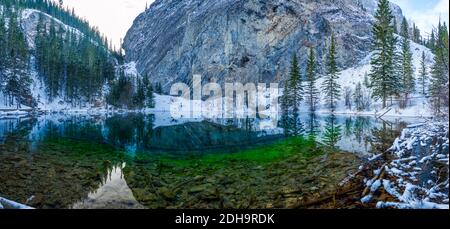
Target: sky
[115, 17]
[425, 13]
[112, 17]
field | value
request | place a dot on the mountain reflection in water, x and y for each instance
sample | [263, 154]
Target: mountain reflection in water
[81, 161]
[113, 193]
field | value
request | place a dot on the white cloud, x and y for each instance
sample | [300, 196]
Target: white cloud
[112, 17]
[115, 17]
[427, 18]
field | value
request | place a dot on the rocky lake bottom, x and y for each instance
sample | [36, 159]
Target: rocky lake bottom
[61, 165]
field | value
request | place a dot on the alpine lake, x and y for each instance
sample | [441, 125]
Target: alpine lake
[133, 160]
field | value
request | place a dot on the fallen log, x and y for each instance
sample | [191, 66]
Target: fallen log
[380, 176]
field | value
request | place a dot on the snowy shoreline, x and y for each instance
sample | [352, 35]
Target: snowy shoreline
[8, 113]
[167, 103]
[416, 176]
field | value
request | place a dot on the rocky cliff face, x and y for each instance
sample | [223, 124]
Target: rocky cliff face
[371, 7]
[244, 40]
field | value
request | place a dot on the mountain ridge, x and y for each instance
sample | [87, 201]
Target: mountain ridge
[63, 61]
[244, 41]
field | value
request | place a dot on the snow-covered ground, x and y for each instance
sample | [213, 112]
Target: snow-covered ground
[350, 77]
[417, 176]
[29, 19]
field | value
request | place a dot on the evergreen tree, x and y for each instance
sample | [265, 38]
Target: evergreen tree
[395, 25]
[439, 71]
[312, 94]
[432, 41]
[330, 86]
[348, 93]
[366, 80]
[285, 99]
[384, 80]
[70, 65]
[121, 93]
[295, 86]
[65, 15]
[149, 92]
[150, 97]
[3, 48]
[16, 81]
[416, 37]
[358, 96]
[17, 47]
[407, 71]
[2, 40]
[423, 74]
[158, 88]
[139, 97]
[73, 67]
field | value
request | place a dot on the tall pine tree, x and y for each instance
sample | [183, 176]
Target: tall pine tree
[3, 49]
[407, 72]
[312, 94]
[149, 92]
[17, 80]
[384, 80]
[330, 86]
[432, 40]
[295, 86]
[440, 70]
[139, 96]
[423, 74]
[358, 97]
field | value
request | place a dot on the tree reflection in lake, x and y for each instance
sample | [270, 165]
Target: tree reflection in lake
[292, 125]
[148, 133]
[360, 125]
[384, 135]
[132, 132]
[57, 160]
[332, 133]
[348, 126]
[313, 125]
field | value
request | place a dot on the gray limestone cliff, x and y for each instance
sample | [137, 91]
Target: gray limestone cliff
[245, 40]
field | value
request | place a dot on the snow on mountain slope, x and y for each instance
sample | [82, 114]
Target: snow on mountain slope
[348, 78]
[352, 76]
[29, 22]
[29, 19]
